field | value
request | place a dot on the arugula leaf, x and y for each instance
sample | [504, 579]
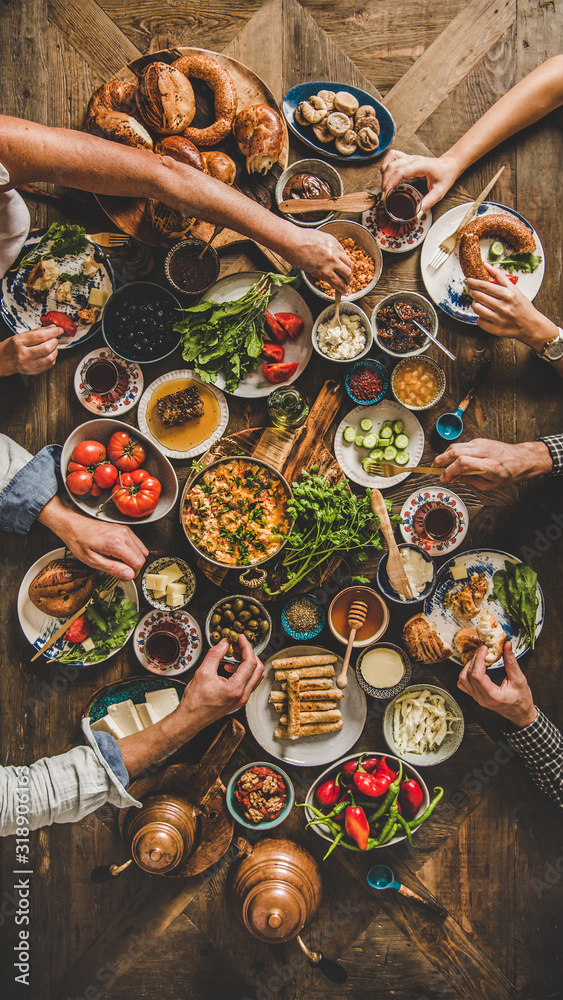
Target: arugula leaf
[515, 587]
[111, 622]
[525, 262]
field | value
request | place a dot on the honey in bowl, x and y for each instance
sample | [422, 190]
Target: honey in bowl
[183, 437]
[376, 620]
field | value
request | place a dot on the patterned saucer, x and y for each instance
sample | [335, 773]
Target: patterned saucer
[193, 635]
[399, 243]
[123, 398]
[416, 500]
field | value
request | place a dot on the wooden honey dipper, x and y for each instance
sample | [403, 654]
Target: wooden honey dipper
[356, 617]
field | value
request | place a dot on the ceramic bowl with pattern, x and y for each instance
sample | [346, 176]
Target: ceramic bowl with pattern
[187, 578]
[417, 500]
[123, 398]
[191, 648]
[342, 229]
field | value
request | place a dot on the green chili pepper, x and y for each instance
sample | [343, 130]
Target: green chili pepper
[334, 844]
[438, 792]
[390, 797]
[406, 827]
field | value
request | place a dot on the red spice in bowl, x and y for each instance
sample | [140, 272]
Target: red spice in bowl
[366, 382]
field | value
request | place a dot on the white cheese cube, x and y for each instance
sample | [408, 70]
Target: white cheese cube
[107, 725]
[172, 573]
[88, 645]
[97, 297]
[146, 714]
[458, 572]
[158, 595]
[126, 716]
[155, 581]
[174, 600]
[176, 588]
[163, 701]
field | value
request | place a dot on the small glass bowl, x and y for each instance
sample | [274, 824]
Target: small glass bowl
[434, 368]
[367, 364]
[384, 694]
[312, 633]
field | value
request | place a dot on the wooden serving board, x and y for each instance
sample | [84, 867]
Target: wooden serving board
[287, 451]
[128, 214]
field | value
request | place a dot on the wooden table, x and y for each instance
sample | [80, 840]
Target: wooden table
[491, 853]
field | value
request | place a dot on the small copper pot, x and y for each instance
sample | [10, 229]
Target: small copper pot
[162, 834]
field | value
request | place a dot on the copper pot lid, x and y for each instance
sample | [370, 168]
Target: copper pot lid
[274, 911]
[157, 847]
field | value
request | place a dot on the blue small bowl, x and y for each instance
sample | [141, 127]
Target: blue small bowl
[389, 592]
[367, 364]
[313, 633]
[233, 807]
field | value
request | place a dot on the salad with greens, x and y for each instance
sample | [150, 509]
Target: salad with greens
[104, 628]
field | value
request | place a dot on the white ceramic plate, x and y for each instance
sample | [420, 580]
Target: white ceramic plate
[20, 312]
[477, 561]
[350, 457]
[285, 299]
[396, 244]
[39, 627]
[124, 397]
[309, 751]
[193, 635]
[445, 284]
[205, 445]
[416, 500]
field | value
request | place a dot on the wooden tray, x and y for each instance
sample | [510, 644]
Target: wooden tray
[288, 452]
[128, 214]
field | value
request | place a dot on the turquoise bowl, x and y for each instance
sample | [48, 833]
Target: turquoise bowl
[233, 807]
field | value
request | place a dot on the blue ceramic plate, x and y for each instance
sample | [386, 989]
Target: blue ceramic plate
[477, 561]
[303, 91]
[134, 688]
[20, 312]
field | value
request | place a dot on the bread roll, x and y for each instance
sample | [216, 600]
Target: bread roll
[111, 115]
[219, 165]
[259, 132]
[165, 99]
[62, 587]
[167, 222]
[423, 642]
[467, 641]
[181, 149]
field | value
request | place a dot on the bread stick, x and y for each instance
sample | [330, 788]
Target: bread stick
[307, 672]
[308, 718]
[293, 719]
[315, 729]
[310, 694]
[312, 682]
[308, 706]
[296, 662]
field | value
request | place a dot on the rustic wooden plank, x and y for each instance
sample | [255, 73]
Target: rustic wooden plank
[94, 35]
[206, 24]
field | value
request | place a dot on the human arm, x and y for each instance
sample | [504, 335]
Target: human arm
[30, 352]
[502, 463]
[535, 738]
[32, 152]
[533, 97]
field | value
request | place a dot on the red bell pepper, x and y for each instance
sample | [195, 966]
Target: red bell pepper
[63, 320]
[279, 372]
[372, 785]
[357, 826]
[370, 764]
[328, 793]
[410, 797]
[276, 329]
[272, 352]
[291, 323]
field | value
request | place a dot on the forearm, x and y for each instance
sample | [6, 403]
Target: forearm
[142, 749]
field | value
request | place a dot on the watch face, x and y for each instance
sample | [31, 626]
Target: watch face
[554, 352]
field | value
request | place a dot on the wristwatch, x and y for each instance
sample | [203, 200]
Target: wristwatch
[553, 350]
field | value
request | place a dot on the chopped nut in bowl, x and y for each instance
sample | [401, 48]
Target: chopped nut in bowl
[260, 796]
[365, 257]
[348, 340]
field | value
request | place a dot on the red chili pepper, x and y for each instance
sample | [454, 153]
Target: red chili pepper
[410, 797]
[276, 329]
[384, 769]
[279, 372]
[350, 768]
[357, 826]
[272, 352]
[291, 323]
[328, 793]
[63, 320]
[370, 764]
[371, 784]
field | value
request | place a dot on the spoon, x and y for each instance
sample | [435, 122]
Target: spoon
[336, 318]
[450, 425]
[216, 231]
[395, 567]
[409, 319]
[356, 617]
[381, 877]
[331, 969]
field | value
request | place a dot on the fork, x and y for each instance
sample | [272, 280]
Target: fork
[388, 469]
[447, 246]
[109, 589]
[108, 239]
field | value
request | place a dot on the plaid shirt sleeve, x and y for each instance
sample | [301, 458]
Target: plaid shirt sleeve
[554, 444]
[540, 745]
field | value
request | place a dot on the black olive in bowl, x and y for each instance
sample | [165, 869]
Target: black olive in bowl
[138, 322]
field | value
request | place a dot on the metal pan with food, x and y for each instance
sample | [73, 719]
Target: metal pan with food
[234, 512]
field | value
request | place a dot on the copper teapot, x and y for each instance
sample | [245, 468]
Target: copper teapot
[162, 834]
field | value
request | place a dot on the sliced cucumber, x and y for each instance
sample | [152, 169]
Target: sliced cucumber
[401, 442]
[349, 434]
[386, 432]
[367, 465]
[383, 442]
[402, 458]
[370, 441]
[390, 454]
[366, 424]
[376, 454]
[398, 427]
[359, 440]
[496, 250]
[387, 423]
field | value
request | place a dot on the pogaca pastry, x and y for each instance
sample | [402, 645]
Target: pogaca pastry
[337, 117]
[111, 115]
[259, 132]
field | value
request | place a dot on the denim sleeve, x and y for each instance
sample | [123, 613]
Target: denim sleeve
[26, 488]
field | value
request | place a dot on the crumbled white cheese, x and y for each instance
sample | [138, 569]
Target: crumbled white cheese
[64, 292]
[343, 342]
[90, 266]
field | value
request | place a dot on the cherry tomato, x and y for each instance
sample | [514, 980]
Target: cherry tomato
[80, 481]
[88, 453]
[79, 630]
[105, 475]
[125, 452]
[136, 494]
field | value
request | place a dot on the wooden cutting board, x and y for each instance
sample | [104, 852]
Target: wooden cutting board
[287, 451]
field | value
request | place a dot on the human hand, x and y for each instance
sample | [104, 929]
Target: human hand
[209, 697]
[504, 310]
[502, 463]
[512, 700]
[439, 173]
[30, 352]
[322, 255]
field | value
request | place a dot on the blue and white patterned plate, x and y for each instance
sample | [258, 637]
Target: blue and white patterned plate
[39, 627]
[193, 635]
[486, 561]
[446, 284]
[415, 501]
[20, 312]
[303, 91]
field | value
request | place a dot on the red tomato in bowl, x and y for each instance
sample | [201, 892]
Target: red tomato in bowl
[79, 480]
[125, 452]
[79, 630]
[88, 453]
[105, 475]
[136, 494]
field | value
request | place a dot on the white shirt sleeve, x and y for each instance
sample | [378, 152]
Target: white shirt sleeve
[14, 224]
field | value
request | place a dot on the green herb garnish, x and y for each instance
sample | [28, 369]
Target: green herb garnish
[515, 587]
[111, 622]
[73, 279]
[65, 239]
[524, 262]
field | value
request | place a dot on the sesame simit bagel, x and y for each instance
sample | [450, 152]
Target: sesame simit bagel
[498, 226]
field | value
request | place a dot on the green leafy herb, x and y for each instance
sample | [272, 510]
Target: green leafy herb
[65, 239]
[111, 622]
[329, 521]
[515, 587]
[74, 279]
[228, 337]
[525, 262]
